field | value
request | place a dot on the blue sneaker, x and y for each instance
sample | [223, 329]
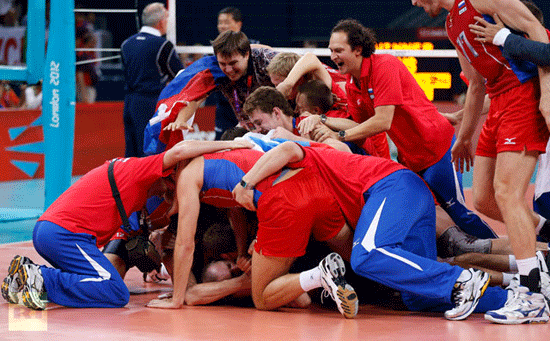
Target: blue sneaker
[522, 306]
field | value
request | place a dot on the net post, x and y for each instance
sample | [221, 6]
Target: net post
[58, 106]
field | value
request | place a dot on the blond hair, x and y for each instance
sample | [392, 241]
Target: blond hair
[282, 63]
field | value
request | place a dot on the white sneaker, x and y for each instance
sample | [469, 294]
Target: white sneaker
[467, 291]
[332, 278]
[33, 286]
[12, 285]
[544, 276]
[522, 306]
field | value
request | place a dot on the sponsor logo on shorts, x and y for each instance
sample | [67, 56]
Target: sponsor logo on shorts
[510, 140]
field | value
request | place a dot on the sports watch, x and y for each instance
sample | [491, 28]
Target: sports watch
[246, 185]
[323, 118]
[342, 135]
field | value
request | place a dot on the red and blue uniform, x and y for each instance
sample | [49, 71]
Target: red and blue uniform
[514, 122]
[84, 218]
[393, 214]
[423, 137]
[285, 224]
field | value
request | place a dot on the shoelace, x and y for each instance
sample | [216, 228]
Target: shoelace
[325, 293]
[456, 295]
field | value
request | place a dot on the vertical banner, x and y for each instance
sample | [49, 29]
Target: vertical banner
[58, 106]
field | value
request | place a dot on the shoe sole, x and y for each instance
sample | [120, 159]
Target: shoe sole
[531, 320]
[334, 264]
[486, 279]
[29, 300]
[349, 302]
[14, 267]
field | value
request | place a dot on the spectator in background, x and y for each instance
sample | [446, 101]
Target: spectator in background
[31, 96]
[8, 97]
[86, 72]
[149, 62]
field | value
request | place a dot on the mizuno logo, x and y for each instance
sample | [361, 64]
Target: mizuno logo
[510, 140]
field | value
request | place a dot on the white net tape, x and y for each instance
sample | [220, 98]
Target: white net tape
[326, 52]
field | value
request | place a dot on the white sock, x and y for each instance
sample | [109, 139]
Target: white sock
[310, 279]
[542, 220]
[526, 265]
[506, 278]
[513, 264]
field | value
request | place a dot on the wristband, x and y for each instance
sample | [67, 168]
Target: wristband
[501, 36]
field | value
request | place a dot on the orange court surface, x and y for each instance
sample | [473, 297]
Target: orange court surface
[137, 322]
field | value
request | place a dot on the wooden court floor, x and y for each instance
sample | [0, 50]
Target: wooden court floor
[137, 322]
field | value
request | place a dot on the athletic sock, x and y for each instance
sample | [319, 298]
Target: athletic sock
[542, 220]
[506, 278]
[513, 263]
[310, 279]
[529, 273]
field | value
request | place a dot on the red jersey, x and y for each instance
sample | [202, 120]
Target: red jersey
[347, 176]
[88, 205]
[501, 75]
[421, 134]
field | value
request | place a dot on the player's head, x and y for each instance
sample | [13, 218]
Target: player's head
[233, 132]
[535, 10]
[232, 49]
[432, 7]
[268, 109]
[315, 97]
[230, 19]
[350, 41]
[279, 67]
[219, 271]
[155, 15]
[218, 240]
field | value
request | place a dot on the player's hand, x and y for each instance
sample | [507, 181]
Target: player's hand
[454, 118]
[285, 89]
[322, 132]
[484, 30]
[462, 156]
[282, 133]
[240, 144]
[179, 124]
[163, 303]
[244, 196]
[306, 126]
[244, 263]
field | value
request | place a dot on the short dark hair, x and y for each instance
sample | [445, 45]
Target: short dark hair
[234, 12]
[229, 42]
[534, 9]
[266, 98]
[318, 94]
[358, 36]
[218, 239]
[233, 132]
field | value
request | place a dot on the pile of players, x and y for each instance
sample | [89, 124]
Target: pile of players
[315, 166]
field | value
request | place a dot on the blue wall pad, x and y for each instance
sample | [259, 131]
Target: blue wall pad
[36, 148]
[15, 132]
[27, 167]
